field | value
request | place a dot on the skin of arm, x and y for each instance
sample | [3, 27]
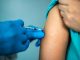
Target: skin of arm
[54, 44]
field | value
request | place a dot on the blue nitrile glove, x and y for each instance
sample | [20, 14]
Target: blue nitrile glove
[12, 37]
[15, 38]
[34, 33]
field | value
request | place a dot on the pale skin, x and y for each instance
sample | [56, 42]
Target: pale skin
[54, 44]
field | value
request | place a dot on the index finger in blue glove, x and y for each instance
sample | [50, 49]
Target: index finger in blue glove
[38, 42]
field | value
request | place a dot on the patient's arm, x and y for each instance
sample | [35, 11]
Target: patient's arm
[54, 44]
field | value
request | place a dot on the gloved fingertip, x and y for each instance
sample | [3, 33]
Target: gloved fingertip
[37, 43]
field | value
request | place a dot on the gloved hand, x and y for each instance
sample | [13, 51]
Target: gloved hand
[33, 33]
[12, 37]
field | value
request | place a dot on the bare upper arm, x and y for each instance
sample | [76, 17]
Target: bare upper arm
[54, 44]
